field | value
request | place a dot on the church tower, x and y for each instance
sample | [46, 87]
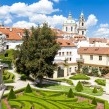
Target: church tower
[70, 25]
[81, 26]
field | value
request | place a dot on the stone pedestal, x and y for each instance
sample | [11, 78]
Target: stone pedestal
[1, 71]
[107, 85]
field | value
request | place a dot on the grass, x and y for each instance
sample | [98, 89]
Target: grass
[66, 80]
[80, 77]
[46, 100]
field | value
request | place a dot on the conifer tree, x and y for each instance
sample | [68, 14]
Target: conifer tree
[70, 94]
[37, 53]
[94, 101]
[79, 87]
[95, 90]
[11, 94]
[28, 89]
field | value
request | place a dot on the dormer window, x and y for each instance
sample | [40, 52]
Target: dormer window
[68, 43]
[7, 35]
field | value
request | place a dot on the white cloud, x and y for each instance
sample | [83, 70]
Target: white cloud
[57, 1]
[24, 24]
[8, 21]
[102, 31]
[54, 21]
[91, 21]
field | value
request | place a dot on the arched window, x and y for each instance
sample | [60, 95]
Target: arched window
[66, 28]
[71, 28]
[82, 32]
[82, 24]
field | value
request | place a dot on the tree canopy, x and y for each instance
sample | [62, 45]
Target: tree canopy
[37, 53]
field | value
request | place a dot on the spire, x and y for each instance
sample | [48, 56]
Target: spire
[82, 15]
[70, 16]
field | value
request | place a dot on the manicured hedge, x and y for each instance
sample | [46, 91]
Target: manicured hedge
[101, 82]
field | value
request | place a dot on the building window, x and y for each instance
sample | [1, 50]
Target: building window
[70, 69]
[82, 24]
[70, 53]
[7, 46]
[70, 59]
[91, 57]
[81, 56]
[59, 53]
[82, 32]
[71, 28]
[66, 28]
[62, 53]
[67, 53]
[100, 58]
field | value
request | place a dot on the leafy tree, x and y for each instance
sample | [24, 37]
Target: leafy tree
[70, 94]
[85, 69]
[95, 71]
[37, 53]
[11, 94]
[28, 89]
[94, 101]
[79, 87]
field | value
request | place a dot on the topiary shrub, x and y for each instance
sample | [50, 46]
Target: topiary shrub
[23, 77]
[28, 89]
[11, 94]
[70, 94]
[79, 87]
[95, 90]
[94, 101]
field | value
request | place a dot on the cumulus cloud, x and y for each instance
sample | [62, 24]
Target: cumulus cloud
[102, 31]
[91, 21]
[24, 24]
[36, 13]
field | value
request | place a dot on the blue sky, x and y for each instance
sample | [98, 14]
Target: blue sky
[25, 13]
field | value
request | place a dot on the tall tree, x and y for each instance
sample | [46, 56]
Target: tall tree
[37, 53]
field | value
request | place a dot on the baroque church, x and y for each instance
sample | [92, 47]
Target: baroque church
[74, 28]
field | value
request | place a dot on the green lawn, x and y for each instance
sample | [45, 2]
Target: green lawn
[47, 100]
[87, 90]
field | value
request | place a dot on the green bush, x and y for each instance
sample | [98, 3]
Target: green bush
[80, 77]
[23, 77]
[101, 82]
[94, 101]
[79, 87]
[95, 90]
[11, 94]
[106, 105]
[70, 94]
[28, 89]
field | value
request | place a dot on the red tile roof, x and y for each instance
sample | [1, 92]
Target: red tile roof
[94, 50]
[93, 40]
[65, 43]
[12, 33]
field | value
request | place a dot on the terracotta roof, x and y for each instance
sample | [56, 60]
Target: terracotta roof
[94, 50]
[12, 33]
[65, 43]
[93, 40]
